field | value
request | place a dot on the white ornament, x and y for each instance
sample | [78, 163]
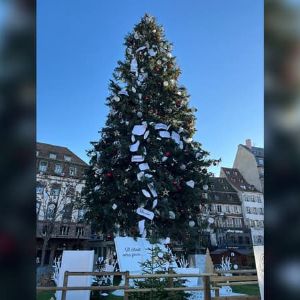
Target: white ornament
[190, 183]
[146, 193]
[160, 254]
[171, 215]
[151, 52]
[183, 167]
[134, 147]
[210, 220]
[205, 187]
[139, 129]
[154, 204]
[166, 83]
[169, 55]
[116, 98]
[136, 36]
[114, 206]
[191, 223]
[159, 62]
[133, 89]
[235, 267]
[137, 158]
[139, 114]
[141, 226]
[140, 175]
[164, 134]
[146, 134]
[145, 213]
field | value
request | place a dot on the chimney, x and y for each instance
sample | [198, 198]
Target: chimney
[248, 143]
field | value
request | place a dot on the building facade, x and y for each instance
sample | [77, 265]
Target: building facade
[227, 229]
[252, 203]
[249, 160]
[60, 179]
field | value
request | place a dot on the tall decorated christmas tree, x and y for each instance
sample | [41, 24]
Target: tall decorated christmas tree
[147, 174]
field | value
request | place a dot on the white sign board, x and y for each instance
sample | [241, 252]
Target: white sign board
[131, 253]
[76, 261]
[259, 261]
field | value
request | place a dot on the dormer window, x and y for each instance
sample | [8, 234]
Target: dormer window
[72, 171]
[58, 168]
[67, 158]
[52, 155]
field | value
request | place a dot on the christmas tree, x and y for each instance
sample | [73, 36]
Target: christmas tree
[147, 174]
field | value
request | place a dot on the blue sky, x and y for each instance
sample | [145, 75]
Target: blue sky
[218, 45]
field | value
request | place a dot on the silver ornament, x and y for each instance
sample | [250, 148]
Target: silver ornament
[139, 114]
[192, 223]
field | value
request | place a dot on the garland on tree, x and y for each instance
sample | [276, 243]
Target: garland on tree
[147, 174]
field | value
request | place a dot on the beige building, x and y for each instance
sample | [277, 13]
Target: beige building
[249, 160]
[252, 202]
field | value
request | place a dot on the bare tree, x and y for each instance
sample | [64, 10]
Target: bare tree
[56, 199]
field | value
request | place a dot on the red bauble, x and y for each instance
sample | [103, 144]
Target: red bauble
[168, 154]
[178, 103]
[147, 97]
[109, 174]
[157, 69]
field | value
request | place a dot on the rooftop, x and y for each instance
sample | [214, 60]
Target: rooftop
[221, 191]
[61, 153]
[237, 180]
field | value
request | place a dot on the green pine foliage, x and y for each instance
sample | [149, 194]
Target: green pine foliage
[157, 265]
[145, 89]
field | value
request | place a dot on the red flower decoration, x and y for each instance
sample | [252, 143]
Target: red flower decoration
[168, 154]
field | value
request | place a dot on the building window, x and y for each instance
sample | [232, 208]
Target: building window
[240, 239]
[58, 168]
[258, 199]
[37, 153]
[248, 210]
[254, 210]
[52, 156]
[67, 212]
[51, 210]
[64, 230]
[227, 208]
[80, 215]
[39, 189]
[38, 207]
[216, 197]
[247, 240]
[72, 171]
[261, 211]
[252, 223]
[67, 158]
[79, 231]
[261, 161]
[55, 191]
[230, 222]
[43, 166]
[235, 209]
[237, 222]
[219, 208]
[259, 239]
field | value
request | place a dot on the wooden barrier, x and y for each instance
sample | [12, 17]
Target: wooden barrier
[211, 281]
